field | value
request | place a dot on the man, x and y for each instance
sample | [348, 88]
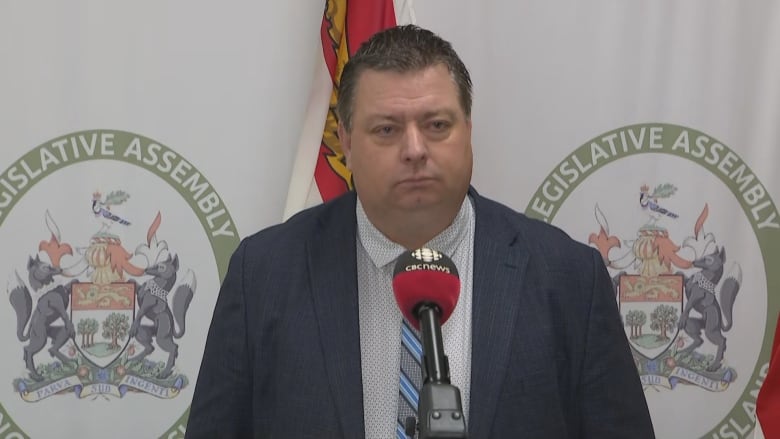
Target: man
[305, 337]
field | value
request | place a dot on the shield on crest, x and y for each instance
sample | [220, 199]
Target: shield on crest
[102, 315]
[650, 307]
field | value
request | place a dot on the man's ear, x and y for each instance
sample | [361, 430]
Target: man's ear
[346, 143]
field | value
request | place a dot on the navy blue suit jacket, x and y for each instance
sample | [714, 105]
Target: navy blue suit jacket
[549, 357]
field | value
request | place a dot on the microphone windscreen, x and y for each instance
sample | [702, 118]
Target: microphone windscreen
[425, 276]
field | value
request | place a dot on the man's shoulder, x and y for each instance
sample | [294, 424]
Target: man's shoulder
[323, 218]
[531, 230]
[548, 245]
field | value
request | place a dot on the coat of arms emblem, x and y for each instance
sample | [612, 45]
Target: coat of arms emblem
[98, 314]
[672, 305]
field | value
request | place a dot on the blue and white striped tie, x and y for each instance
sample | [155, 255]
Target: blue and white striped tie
[410, 377]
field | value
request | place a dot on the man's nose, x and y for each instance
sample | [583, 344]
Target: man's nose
[415, 147]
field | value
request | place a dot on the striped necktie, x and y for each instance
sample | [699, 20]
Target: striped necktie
[410, 377]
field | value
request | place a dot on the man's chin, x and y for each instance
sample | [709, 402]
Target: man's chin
[419, 202]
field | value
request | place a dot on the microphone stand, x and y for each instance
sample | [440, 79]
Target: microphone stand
[440, 411]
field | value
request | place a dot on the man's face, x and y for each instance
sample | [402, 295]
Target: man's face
[409, 148]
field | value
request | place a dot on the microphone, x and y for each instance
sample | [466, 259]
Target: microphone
[426, 287]
[425, 276]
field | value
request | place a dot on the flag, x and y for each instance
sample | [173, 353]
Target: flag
[319, 172]
[768, 403]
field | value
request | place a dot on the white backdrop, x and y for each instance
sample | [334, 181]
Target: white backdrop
[224, 87]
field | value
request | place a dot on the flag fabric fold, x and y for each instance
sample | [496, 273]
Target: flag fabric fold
[320, 172]
[768, 402]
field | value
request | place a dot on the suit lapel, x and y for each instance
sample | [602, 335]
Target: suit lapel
[499, 266]
[332, 267]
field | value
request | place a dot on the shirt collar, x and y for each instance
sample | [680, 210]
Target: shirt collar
[383, 251]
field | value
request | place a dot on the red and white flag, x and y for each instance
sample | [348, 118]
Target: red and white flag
[768, 403]
[319, 172]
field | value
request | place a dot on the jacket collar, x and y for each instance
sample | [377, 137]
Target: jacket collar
[500, 260]
[332, 270]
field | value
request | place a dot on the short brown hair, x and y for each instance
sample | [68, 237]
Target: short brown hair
[401, 49]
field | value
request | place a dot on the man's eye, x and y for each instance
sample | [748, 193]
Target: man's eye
[439, 125]
[384, 130]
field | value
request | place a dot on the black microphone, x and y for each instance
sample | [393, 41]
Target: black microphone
[426, 287]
